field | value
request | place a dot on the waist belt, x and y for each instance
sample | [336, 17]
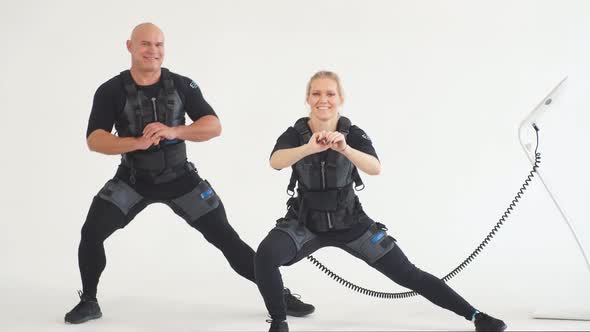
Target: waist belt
[327, 210]
[167, 175]
[321, 200]
[158, 160]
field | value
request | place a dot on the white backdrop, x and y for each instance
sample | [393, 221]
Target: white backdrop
[440, 86]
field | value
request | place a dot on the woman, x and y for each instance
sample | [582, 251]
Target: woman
[325, 151]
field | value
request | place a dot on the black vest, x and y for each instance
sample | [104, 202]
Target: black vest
[139, 111]
[326, 199]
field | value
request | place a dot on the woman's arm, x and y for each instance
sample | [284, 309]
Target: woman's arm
[287, 157]
[363, 161]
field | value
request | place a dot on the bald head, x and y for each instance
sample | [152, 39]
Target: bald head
[145, 28]
[146, 46]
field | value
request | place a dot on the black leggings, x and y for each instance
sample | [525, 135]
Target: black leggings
[104, 218]
[278, 249]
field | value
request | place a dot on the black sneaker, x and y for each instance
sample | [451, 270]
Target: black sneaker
[484, 322]
[295, 307]
[278, 325]
[86, 310]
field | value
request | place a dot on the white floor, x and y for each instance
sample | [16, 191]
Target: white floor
[205, 295]
[187, 312]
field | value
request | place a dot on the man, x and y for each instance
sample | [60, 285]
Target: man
[147, 105]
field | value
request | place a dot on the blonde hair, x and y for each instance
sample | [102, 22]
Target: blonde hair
[325, 74]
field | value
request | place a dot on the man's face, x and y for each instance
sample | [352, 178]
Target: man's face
[147, 48]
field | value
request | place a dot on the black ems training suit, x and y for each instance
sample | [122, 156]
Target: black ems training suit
[327, 212]
[160, 174]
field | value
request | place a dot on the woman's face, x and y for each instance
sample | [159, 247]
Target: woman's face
[324, 100]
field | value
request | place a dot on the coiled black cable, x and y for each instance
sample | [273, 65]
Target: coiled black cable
[463, 265]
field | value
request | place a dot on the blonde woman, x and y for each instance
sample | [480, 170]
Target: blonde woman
[325, 152]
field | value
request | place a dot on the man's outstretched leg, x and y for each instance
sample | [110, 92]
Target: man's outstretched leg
[113, 208]
[217, 230]
[103, 219]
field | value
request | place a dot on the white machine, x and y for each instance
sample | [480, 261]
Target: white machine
[528, 135]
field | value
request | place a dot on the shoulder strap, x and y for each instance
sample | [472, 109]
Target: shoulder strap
[304, 135]
[344, 125]
[128, 82]
[132, 95]
[168, 81]
[303, 130]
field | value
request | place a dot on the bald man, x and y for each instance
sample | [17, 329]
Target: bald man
[147, 105]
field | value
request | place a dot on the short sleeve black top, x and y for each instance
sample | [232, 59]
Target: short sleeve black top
[110, 97]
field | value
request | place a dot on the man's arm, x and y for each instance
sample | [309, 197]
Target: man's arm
[104, 142]
[204, 129]
[205, 124]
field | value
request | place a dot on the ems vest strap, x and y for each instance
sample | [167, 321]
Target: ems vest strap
[331, 161]
[292, 182]
[132, 96]
[304, 136]
[168, 83]
[303, 130]
[344, 127]
[356, 177]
